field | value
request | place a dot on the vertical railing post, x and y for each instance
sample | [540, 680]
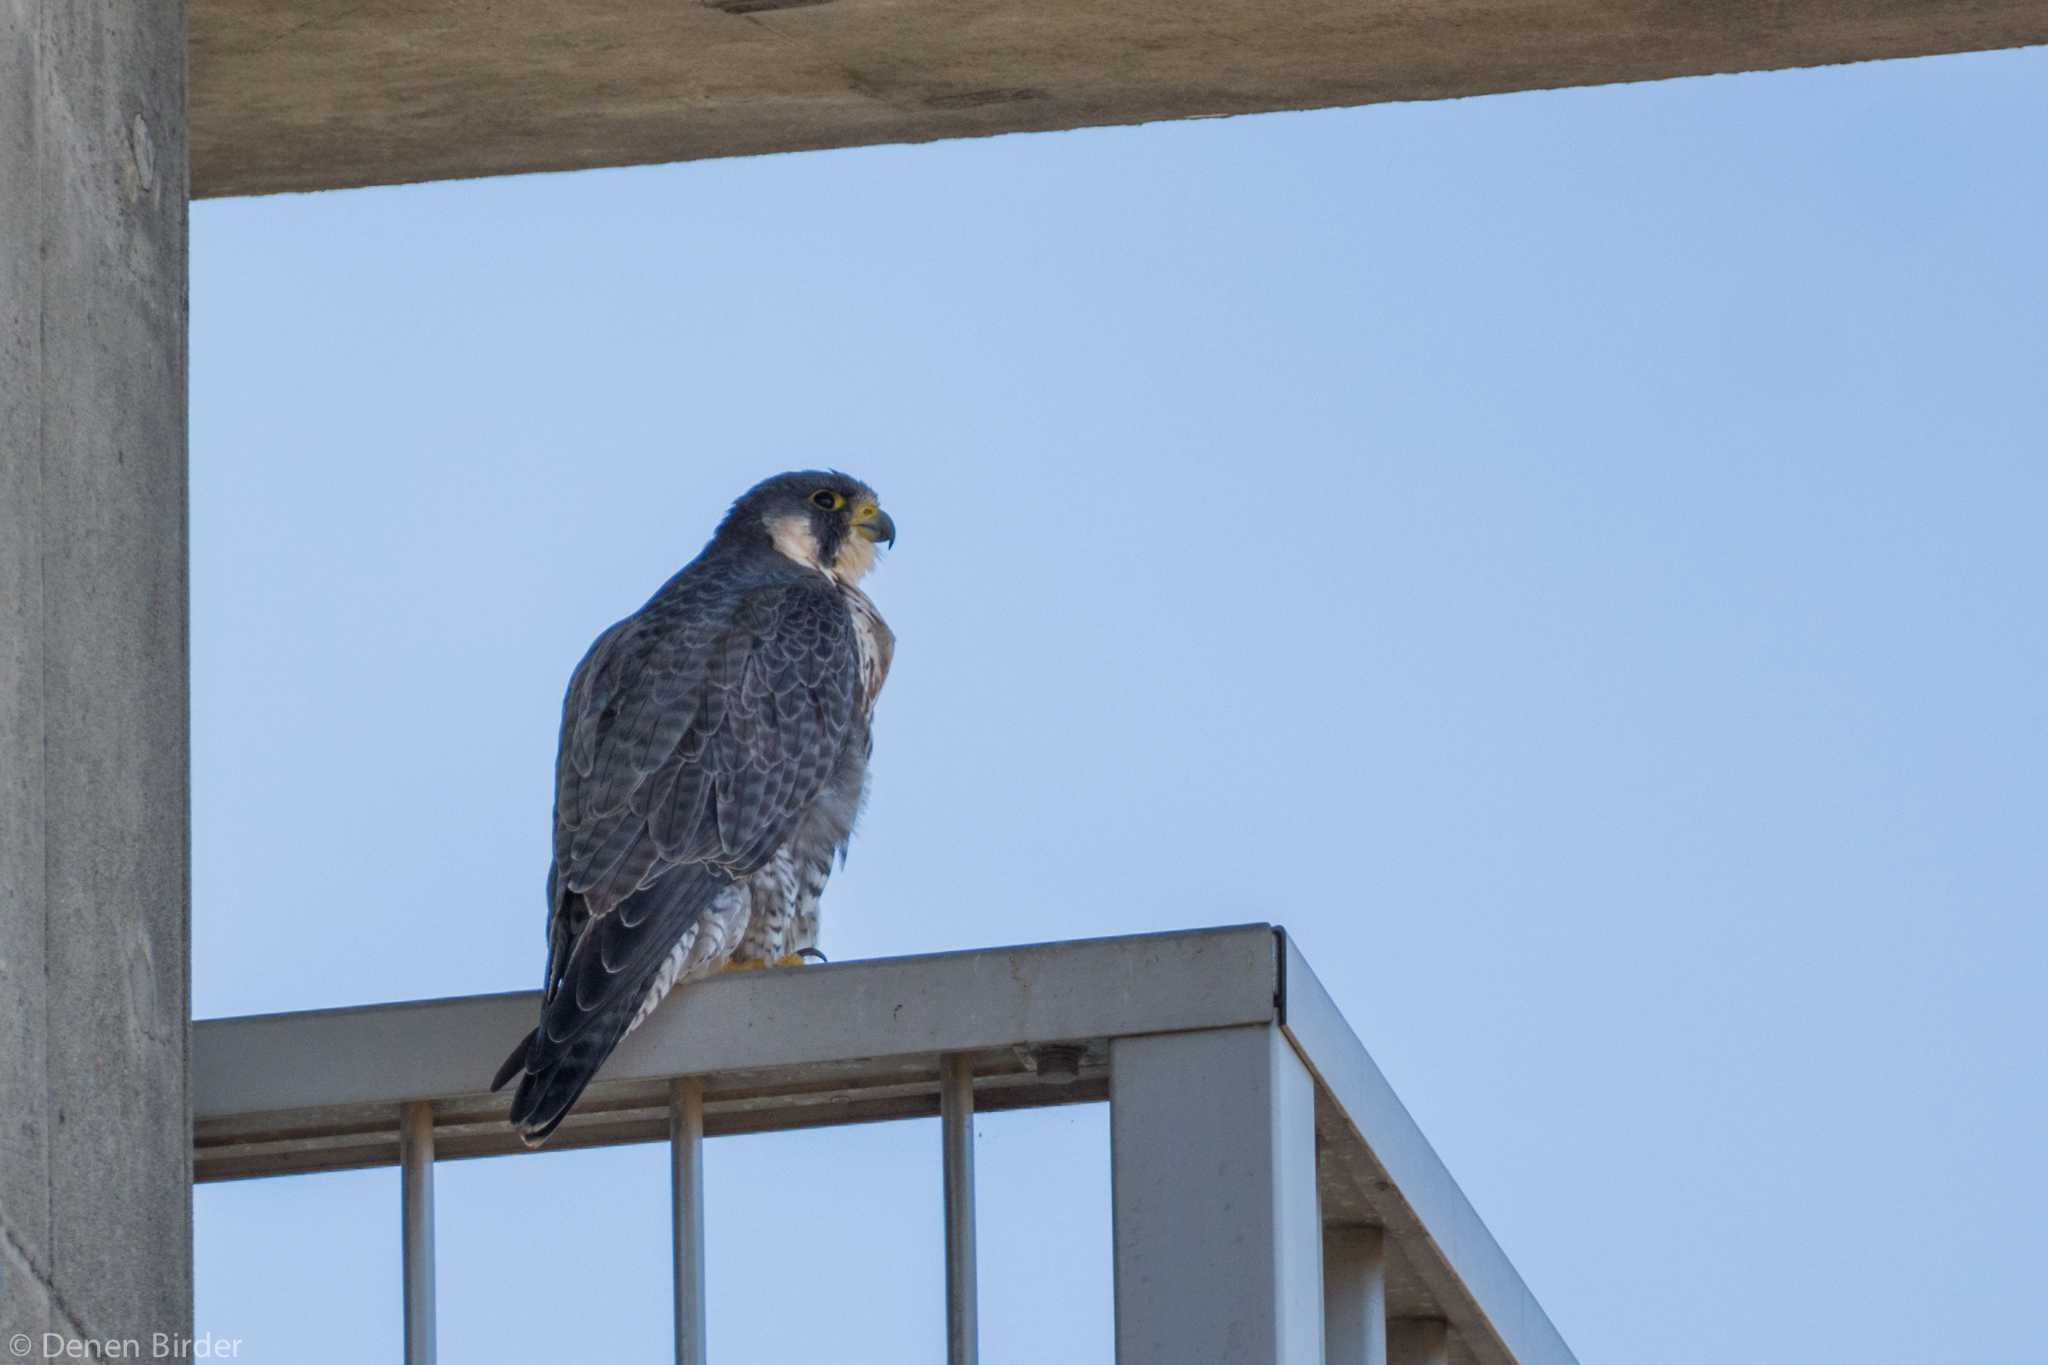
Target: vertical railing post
[1213, 1180]
[1354, 1296]
[686, 1190]
[416, 1200]
[1418, 1341]
[956, 1128]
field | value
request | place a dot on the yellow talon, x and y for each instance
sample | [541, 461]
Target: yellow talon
[790, 960]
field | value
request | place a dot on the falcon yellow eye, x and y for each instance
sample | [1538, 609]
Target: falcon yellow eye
[828, 500]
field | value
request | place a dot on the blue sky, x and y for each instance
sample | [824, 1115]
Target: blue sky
[1576, 559]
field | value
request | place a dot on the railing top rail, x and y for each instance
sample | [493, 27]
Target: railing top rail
[862, 1041]
[283, 1093]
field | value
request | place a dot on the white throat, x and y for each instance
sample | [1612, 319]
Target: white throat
[794, 539]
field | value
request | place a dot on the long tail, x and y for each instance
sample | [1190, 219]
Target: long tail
[551, 1080]
[610, 970]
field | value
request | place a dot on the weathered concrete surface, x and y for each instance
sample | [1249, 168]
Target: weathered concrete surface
[95, 1197]
[320, 94]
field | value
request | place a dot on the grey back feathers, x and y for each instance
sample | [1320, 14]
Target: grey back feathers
[712, 759]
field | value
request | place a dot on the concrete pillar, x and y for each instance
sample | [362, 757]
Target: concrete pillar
[95, 1192]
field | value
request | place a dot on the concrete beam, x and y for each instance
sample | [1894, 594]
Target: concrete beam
[323, 94]
[95, 1195]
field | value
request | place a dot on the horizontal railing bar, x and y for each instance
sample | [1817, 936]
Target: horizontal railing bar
[371, 1145]
[765, 1020]
[725, 1094]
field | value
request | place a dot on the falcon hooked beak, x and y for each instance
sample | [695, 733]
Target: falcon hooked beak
[874, 525]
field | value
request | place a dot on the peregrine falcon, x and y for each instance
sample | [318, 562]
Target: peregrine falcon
[713, 754]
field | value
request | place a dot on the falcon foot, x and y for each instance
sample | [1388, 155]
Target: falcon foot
[753, 964]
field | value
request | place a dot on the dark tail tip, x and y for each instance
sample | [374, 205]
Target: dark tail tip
[534, 1134]
[514, 1064]
[544, 1099]
[556, 1073]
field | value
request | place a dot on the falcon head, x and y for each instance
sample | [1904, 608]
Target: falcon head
[822, 519]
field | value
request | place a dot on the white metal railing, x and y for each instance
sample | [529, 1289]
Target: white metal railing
[1273, 1203]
